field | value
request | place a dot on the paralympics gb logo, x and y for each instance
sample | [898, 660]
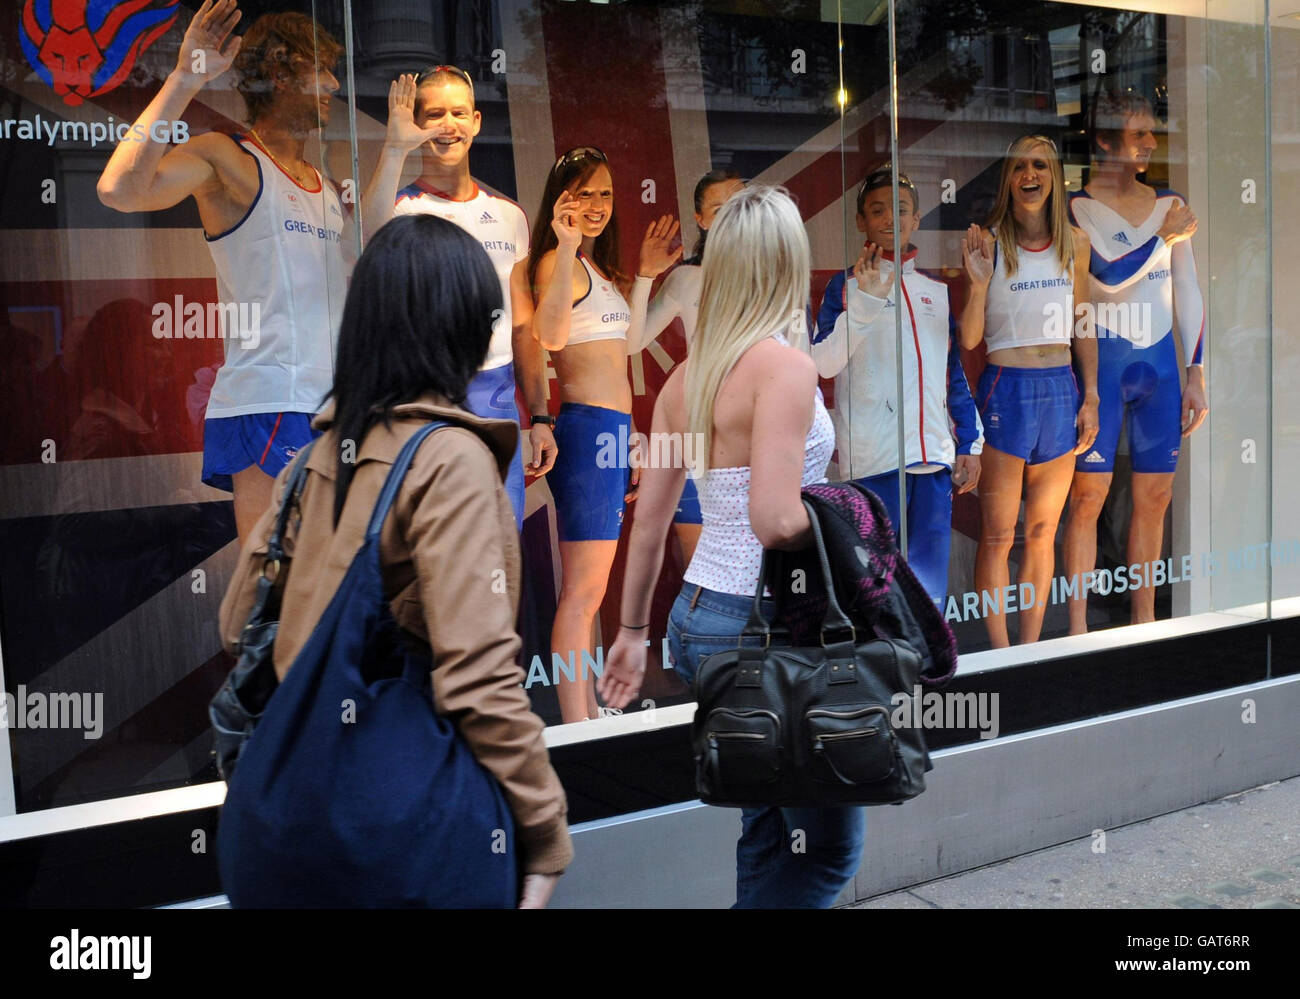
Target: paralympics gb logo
[84, 48]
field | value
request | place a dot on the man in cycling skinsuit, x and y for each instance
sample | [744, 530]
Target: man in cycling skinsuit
[1144, 288]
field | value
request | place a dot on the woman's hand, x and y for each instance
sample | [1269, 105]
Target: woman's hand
[1087, 423]
[565, 221]
[868, 272]
[624, 668]
[657, 254]
[977, 256]
[537, 890]
[635, 459]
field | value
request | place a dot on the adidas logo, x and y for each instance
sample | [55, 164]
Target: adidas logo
[1121, 238]
[486, 217]
[1094, 457]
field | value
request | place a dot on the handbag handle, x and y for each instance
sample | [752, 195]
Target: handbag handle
[835, 619]
[292, 489]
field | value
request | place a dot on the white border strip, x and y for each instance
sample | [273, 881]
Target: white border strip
[102, 813]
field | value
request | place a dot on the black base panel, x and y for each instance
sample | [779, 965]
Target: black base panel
[173, 857]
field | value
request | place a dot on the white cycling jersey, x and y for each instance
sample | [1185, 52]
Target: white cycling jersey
[1141, 289]
[496, 222]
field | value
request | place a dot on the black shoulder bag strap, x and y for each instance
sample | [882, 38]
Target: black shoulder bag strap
[274, 559]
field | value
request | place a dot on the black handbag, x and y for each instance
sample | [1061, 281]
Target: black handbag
[782, 725]
[235, 710]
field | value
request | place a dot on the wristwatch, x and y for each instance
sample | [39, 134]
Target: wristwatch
[543, 418]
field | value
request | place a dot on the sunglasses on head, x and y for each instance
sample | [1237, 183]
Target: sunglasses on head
[456, 71]
[1038, 140]
[581, 152]
[884, 178]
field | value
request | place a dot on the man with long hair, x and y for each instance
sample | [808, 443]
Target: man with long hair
[274, 228]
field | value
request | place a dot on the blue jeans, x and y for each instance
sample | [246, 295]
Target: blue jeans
[799, 858]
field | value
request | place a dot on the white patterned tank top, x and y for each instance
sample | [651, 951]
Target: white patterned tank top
[728, 555]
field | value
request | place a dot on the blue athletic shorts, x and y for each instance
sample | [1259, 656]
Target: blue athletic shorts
[929, 523]
[591, 472]
[688, 507]
[1029, 412]
[1142, 382]
[267, 440]
[492, 395]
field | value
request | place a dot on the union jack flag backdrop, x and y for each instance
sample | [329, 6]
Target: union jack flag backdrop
[113, 556]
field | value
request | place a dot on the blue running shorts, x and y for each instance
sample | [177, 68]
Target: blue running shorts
[591, 472]
[1029, 412]
[267, 440]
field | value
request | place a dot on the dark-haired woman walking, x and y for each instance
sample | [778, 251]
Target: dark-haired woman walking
[415, 330]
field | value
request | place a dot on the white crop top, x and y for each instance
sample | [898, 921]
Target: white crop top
[1034, 307]
[601, 314]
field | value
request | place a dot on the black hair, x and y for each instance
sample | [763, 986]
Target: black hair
[883, 177]
[418, 319]
[701, 189]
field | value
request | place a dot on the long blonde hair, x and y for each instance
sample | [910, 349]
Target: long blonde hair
[753, 283]
[1003, 218]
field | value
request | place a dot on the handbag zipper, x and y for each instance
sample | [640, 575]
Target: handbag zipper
[736, 735]
[856, 734]
[856, 712]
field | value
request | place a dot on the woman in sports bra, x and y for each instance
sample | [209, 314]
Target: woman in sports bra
[582, 318]
[1025, 272]
[679, 298]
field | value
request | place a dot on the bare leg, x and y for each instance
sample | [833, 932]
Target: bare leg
[1087, 496]
[999, 492]
[586, 566]
[253, 492]
[1046, 487]
[1152, 492]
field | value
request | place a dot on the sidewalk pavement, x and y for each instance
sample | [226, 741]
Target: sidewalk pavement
[1239, 852]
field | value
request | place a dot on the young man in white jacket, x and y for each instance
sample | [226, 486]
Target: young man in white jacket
[855, 344]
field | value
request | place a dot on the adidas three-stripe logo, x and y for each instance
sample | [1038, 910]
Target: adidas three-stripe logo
[486, 217]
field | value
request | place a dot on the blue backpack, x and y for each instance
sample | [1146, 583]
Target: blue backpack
[353, 791]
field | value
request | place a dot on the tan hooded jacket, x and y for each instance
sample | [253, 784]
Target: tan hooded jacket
[449, 552]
